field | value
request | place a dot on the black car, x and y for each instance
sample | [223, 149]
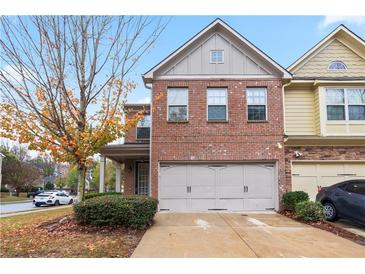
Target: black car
[344, 200]
[34, 193]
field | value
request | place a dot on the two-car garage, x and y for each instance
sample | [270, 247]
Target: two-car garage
[202, 187]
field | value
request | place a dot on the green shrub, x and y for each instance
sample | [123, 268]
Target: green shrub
[290, 199]
[309, 211]
[97, 194]
[128, 211]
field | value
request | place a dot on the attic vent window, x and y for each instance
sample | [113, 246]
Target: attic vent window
[217, 57]
[337, 65]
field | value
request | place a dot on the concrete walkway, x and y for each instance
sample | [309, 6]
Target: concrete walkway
[239, 235]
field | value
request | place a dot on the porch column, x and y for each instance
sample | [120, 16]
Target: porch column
[102, 174]
[118, 176]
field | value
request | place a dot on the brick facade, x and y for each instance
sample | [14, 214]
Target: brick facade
[199, 140]
[318, 153]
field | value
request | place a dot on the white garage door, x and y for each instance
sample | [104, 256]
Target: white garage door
[307, 176]
[216, 187]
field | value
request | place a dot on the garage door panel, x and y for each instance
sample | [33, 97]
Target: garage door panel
[358, 170]
[202, 204]
[230, 192]
[203, 192]
[173, 204]
[259, 180]
[202, 176]
[173, 176]
[173, 192]
[231, 204]
[259, 204]
[232, 176]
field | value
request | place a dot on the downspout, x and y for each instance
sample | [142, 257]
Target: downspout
[283, 102]
[150, 169]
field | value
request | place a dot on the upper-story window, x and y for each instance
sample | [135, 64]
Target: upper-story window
[256, 104]
[177, 100]
[217, 104]
[216, 56]
[143, 128]
[345, 104]
[337, 65]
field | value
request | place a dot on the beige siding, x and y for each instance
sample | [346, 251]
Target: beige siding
[317, 115]
[300, 112]
[335, 50]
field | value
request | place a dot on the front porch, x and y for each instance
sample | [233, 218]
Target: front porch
[132, 167]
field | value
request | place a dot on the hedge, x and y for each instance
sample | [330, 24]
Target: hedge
[309, 211]
[291, 199]
[128, 211]
[97, 194]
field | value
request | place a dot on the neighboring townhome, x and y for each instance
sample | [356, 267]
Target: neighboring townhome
[325, 113]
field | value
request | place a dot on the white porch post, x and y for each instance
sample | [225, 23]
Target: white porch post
[102, 174]
[118, 176]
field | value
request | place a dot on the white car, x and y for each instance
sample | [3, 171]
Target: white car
[53, 198]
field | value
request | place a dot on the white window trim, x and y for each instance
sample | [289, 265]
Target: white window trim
[211, 53]
[346, 104]
[141, 139]
[328, 67]
[168, 105]
[266, 109]
[207, 105]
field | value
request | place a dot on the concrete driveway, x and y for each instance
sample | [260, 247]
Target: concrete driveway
[239, 235]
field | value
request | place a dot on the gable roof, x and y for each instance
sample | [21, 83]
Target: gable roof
[340, 30]
[148, 76]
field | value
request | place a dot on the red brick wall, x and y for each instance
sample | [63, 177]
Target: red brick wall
[130, 136]
[128, 177]
[314, 153]
[235, 140]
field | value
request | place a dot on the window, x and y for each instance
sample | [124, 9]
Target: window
[177, 100]
[345, 104]
[143, 128]
[217, 104]
[217, 56]
[256, 104]
[356, 187]
[337, 65]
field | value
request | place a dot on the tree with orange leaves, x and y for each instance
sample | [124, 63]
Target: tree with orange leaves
[65, 80]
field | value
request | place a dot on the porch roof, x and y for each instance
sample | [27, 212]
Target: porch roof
[122, 152]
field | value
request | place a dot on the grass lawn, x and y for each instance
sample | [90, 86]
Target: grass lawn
[34, 235]
[6, 198]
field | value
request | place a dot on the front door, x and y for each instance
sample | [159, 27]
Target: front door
[142, 178]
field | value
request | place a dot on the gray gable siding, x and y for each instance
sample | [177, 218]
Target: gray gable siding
[237, 60]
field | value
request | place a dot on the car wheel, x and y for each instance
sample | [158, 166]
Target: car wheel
[57, 203]
[71, 202]
[330, 213]
[37, 205]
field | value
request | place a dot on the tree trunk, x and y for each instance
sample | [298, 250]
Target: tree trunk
[81, 170]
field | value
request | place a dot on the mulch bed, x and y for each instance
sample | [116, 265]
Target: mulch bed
[324, 225]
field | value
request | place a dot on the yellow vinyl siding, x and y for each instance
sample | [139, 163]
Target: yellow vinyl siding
[317, 66]
[317, 117]
[300, 112]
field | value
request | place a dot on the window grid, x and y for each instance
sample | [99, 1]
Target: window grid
[177, 105]
[346, 104]
[337, 65]
[256, 97]
[217, 56]
[217, 99]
